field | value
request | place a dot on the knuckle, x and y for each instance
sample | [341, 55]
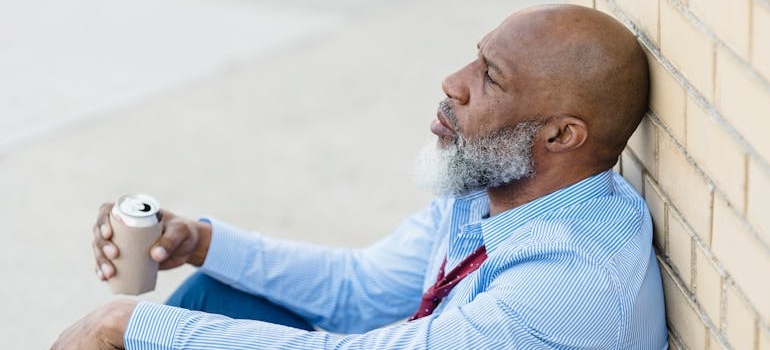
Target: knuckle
[98, 255]
[176, 226]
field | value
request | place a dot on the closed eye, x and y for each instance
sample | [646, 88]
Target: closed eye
[488, 78]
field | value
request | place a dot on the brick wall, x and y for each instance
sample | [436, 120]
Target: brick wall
[702, 160]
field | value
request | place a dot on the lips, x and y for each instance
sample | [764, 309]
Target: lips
[441, 126]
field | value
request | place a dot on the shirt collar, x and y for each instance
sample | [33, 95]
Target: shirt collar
[497, 229]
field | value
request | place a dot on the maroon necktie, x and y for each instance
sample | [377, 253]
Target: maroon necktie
[444, 284]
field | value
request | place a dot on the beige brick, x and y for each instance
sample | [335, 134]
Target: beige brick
[742, 256]
[686, 188]
[673, 342]
[644, 144]
[644, 14]
[714, 343]
[681, 316]
[654, 198]
[633, 171]
[691, 51]
[729, 20]
[667, 100]
[708, 285]
[602, 5]
[743, 100]
[715, 151]
[758, 200]
[760, 44]
[740, 327]
[764, 339]
[680, 248]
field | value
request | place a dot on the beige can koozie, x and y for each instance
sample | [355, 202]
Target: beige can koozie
[136, 272]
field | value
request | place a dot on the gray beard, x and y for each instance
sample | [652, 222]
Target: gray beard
[488, 161]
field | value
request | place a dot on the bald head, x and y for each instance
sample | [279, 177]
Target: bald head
[564, 85]
[578, 61]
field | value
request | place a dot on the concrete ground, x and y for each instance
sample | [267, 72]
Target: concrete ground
[297, 118]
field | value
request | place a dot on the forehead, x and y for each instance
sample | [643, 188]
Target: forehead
[503, 50]
[526, 42]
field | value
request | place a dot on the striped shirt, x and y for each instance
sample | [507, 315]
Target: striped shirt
[573, 269]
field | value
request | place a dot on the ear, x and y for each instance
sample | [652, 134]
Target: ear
[564, 133]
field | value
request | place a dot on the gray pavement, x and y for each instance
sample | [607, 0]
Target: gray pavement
[299, 119]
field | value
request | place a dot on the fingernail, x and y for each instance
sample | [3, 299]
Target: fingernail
[110, 251]
[103, 229]
[99, 274]
[107, 270]
[159, 253]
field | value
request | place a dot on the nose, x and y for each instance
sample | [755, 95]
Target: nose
[455, 86]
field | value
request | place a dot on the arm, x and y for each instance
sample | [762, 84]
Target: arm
[511, 313]
[506, 310]
[340, 290]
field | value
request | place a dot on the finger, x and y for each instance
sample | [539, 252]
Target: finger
[104, 268]
[105, 230]
[174, 234]
[159, 253]
[103, 221]
[103, 264]
[105, 245]
[110, 251]
[108, 270]
[104, 249]
[103, 252]
[172, 262]
[181, 255]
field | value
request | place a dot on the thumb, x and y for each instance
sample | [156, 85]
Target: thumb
[158, 253]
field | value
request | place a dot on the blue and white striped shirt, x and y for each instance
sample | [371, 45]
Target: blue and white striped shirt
[571, 270]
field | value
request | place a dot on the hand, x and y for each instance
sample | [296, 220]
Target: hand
[183, 241]
[102, 329]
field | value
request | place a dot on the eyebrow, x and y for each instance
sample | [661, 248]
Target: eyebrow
[489, 63]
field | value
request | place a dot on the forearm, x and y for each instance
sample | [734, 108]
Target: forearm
[337, 289]
[162, 327]
[483, 326]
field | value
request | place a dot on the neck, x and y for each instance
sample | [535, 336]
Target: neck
[510, 195]
[519, 192]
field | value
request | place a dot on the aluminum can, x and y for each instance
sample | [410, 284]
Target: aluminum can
[136, 226]
[137, 210]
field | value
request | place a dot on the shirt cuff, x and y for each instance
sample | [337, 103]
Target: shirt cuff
[152, 326]
[230, 251]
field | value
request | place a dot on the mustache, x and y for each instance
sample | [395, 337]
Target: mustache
[448, 112]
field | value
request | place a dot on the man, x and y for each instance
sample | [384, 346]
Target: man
[532, 243]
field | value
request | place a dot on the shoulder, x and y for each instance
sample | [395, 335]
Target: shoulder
[558, 294]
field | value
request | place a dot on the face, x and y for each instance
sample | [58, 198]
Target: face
[496, 90]
[487, 126]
